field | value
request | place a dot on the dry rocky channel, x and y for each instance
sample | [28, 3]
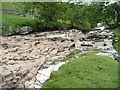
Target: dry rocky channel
[22, 56]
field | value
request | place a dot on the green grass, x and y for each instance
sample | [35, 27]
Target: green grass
[72, 54]
[9, 5]
[15, 21]
[90, 53]
[86, 73]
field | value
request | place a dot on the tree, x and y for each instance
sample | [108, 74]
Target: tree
[73, 15]
[112, 15]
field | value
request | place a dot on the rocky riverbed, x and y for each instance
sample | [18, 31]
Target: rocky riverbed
[23, 55]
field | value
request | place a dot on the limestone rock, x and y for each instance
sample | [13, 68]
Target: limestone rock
[5, 45]
[25, 30]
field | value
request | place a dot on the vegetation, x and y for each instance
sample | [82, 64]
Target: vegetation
[72, 54]
[117, 44]
[88, 72]
[70, 15]
[9, 6]
[59, 15]
[14, 21]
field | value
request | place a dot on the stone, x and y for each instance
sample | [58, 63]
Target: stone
[5, 45]
[10, 30]
[45, 50]
[11, 62]
[54, 52]
[61, 49]
[54, 58]
[72, 45]
[99, 32]
[44, 74]
[39, 35]
[36, 43]
[14, 50]
[112, 51]
[25, 30]
[116, 56]
[99, 24]
[6, 73]
[105, 54]
[26, 38]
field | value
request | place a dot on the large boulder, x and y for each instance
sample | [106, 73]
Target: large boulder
[25, 30]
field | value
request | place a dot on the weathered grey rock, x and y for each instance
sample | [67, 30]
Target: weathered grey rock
[5, 45]
[61, 49]
[6, 73]
[54, 52]
[25, 30]
[100, 33]
[105, 54]
[37, 42]
[116, 56]
[27, 38]
[10, 30]
[14, 50]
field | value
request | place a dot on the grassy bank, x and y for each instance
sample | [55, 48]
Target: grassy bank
[15, 21]
[88, 72]
[117, 35]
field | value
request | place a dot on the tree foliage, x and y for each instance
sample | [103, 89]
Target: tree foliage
[73, 15]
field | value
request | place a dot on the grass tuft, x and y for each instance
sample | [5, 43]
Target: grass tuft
[72, 54]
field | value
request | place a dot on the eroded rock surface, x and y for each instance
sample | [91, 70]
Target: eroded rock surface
[23, 55]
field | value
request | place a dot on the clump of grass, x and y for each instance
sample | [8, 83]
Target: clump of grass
[88, 72]
[72, 54]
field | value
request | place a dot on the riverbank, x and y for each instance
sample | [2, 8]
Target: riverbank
[89, 72]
